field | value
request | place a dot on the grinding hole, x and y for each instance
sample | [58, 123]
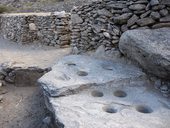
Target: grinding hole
[107, 66]
[71, 64]
[109, 109]
[82, 73]
[120, 93]
[144, 109]
[97, 94]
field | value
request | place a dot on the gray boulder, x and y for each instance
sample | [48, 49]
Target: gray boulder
[150, 48]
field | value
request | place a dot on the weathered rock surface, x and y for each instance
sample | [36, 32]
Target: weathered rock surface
[75, 72]
[85, 92]
[103, 107]
[150, 48]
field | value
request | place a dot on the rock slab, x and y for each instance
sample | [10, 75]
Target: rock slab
[75, 73]
[150, 48]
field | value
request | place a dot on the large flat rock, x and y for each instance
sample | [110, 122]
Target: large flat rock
[150, 48]
[98, 107]
[74, 73]
[85, 92]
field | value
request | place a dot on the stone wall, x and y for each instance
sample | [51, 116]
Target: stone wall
[103, 22]
[48, 28]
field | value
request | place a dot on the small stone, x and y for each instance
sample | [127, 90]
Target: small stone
[158, 7]
[157, 84]
[124, 28]
[145, 14]
[155, 15]
[100, 51]
[47, 120]
[75, 50]
[32, 27]
[165, 19]
[122, 19]
[164, 12]
[107, 35]
[164, 88]
[104, 12]
[137, 7]
[165, 2]
[76, 19]
[132, 20]
[154, 2]
[115, 41]
[161, 25]
[145, 21]
[134, 26]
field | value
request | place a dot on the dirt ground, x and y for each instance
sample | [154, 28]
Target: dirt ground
[24, 107]
[21, 107]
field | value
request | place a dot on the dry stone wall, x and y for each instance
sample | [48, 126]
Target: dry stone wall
[103, 22]
[48, 28]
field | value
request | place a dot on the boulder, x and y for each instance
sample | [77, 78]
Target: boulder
[150, 48]
[75, 73]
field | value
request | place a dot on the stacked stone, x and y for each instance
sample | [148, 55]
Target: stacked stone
[103, 22]
[11, 27]
[47, 28]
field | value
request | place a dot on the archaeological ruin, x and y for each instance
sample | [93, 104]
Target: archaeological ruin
[104, 64]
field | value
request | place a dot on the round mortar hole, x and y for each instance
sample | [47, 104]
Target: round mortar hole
[71, 64]
[120, 93]
[109, 109]
[144, 109]
[82, 73]
[97, 94]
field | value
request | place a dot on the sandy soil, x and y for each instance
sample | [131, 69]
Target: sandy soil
[29, 55]
[23, 107]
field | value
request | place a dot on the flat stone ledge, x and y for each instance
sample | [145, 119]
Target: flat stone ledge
[74, 73]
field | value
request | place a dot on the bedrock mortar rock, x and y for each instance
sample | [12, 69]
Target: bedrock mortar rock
[75, 73]
[150, 48]
[80, 92]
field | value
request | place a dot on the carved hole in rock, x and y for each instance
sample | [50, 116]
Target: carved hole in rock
[82, 73]
[109, 109]
[144, 109]
[97, 93]
[120, 93]
[107, 66]
[71, 64]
